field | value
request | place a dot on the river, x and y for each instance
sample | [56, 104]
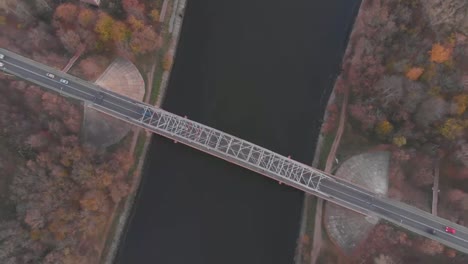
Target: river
[261, 70]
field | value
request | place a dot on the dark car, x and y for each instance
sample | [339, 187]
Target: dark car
[432, 231]
[98, 98]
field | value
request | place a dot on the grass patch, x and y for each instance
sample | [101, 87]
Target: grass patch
[159, 69]
[326, 146]
[140, 144]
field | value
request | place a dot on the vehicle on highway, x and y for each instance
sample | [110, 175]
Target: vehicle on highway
[50, 75]
[64, 81]
[98, 98]
[2, 56]
[1, 64]
[432, 231]
[450, 230]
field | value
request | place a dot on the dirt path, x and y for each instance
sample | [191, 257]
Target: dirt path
[317, 240]
[72, 61]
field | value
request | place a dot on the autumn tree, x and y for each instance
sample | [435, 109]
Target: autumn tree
[134, 8]
[120, 32]
[135, 24]
[440, 53]
[414, 73]
[104, 26]
[430, 247]
[452, 128]
[384, 128]
[144, 41]
[154, 14]
[66, 12]
[167, 62]
[70, 40]
[86, 17]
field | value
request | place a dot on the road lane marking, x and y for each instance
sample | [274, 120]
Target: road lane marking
[392, 212]
[79, 90]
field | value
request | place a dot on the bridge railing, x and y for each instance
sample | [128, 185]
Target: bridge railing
[213, 140]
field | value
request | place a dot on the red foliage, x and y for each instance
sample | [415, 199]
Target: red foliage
[133, 7]
[423, 173]
[364, 114]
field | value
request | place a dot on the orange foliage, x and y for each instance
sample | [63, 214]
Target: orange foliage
[440, 53]
[135, 23]
[414, 73]
[120, 32]
[154, 15]
[384, 128]
[167, 62]
[66, 12]
[461, 102]
[86, 17]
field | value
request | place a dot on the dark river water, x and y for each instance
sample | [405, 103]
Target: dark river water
[261, 70]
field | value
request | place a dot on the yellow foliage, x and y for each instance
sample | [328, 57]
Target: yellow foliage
[104, 26]
[452, 128]
[399, 141]
[384, 128]
[135, 23]
[440, 53]
[120, 32]
[461, 101]
[414, 73]
[154, 15]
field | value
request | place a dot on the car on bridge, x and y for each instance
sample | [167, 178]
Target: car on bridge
[98, 98]
[50, 75]
[450, 230]
[2, 56]
[1, 64]
[63, 81]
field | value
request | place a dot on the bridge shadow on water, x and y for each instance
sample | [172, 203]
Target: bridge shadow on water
[261, 70]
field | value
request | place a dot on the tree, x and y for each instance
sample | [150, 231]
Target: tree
[422, 174]
[135, 24]
[399, 141]
[86, 18]
[431, 110]
[133, 7]
[384, 128]
[461, 154]
[154, 14]
[389, 89]
[120, 32]
[440, 53]
[363, 113]
[430, 247]
[70, 40]
[104, 26]
[144, 41]
[452, 128]
[414, 73]
[460, 102]
[66, 12]
[94, 200]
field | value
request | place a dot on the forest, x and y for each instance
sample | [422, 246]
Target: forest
[58, 195]
[406, 72]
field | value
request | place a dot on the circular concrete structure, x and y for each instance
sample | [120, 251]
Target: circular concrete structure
[122, 77]
[345, 227]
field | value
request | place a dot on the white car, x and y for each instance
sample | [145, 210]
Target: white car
[1, 64]
[50, 75]
[2, 56]
[64, 81]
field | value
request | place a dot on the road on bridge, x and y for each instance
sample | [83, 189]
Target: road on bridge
[327, 187]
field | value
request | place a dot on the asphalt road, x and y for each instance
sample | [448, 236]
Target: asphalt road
[337, 191]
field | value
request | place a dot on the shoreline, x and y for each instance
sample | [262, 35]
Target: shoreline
[115, 237]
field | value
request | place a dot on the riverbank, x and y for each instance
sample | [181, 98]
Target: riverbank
[143, 138]
[407, 96]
